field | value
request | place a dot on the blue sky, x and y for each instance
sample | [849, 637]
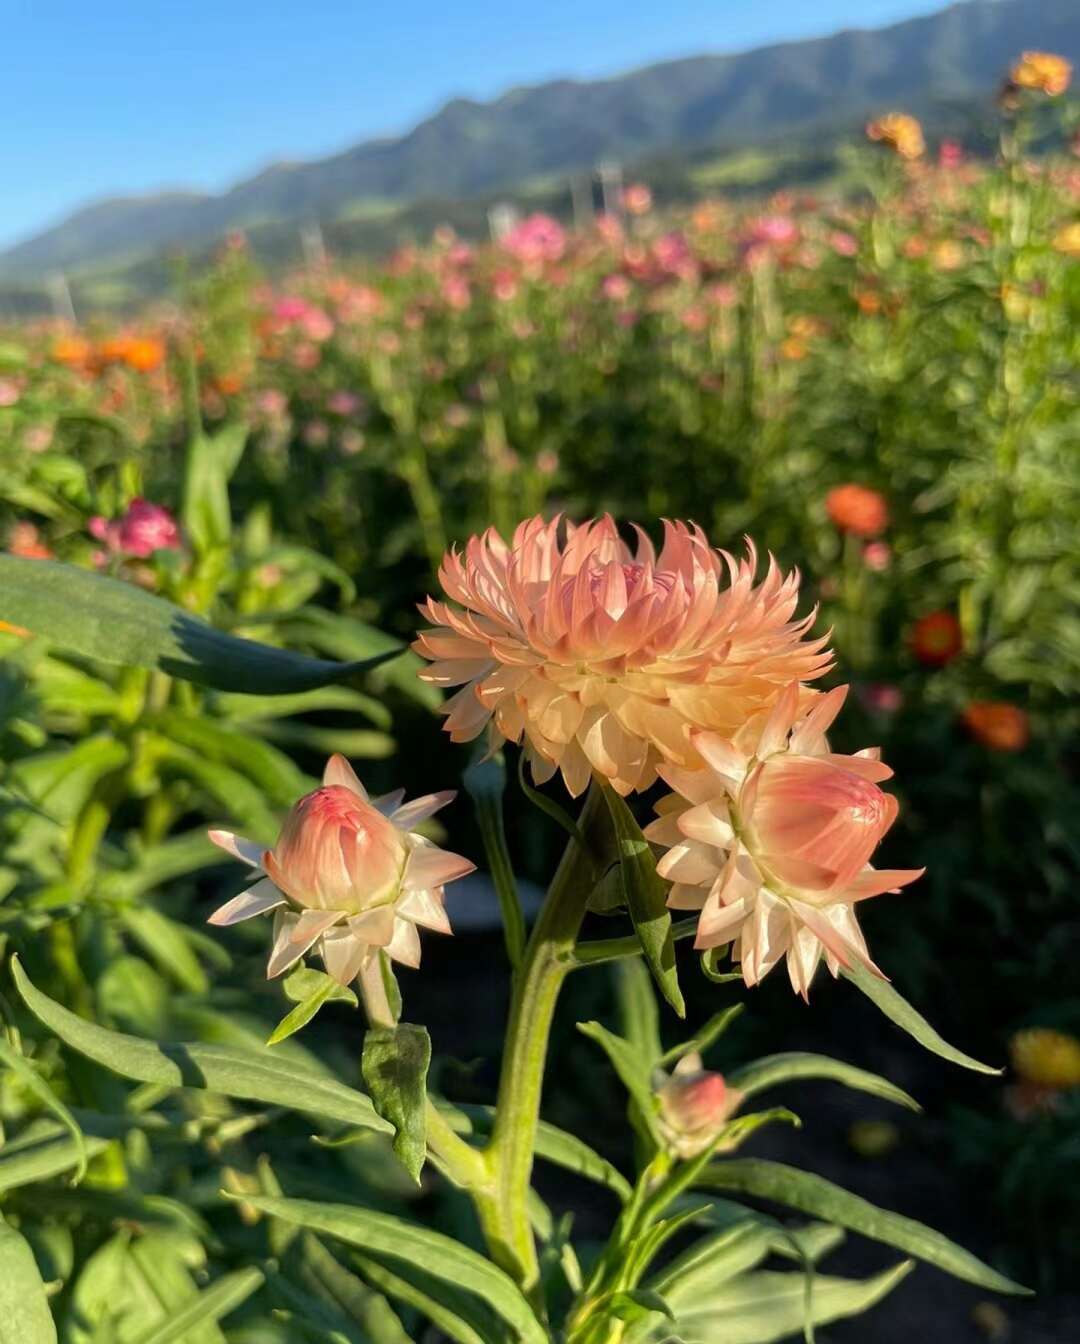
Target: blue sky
[131, 96]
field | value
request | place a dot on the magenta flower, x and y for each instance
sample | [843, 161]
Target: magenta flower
[143, 529]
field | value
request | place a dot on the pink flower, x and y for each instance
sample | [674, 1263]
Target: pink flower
[880, 697]
[343, 403]
[950, 154]
[616, 287]
[605, 658]
[771, 841]
[877, 555]
[9, 392]
[637, 199]
[348, 877]
[695, 1104]
[144, 529]
[773, 231]
[538, 238]
[673, 255]
[843, 244]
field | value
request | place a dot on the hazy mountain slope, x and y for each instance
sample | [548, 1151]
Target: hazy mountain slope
[472, 149]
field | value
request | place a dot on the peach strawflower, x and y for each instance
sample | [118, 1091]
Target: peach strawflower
[348, 877]
[604, 658]
[1041, 71]
[936, 639]
[997, 725]
[857, 509]
[694, 1105]
[900, 133]
[771, 841]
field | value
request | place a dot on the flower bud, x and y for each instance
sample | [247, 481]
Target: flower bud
[814, 823]
[694, 1106]
[336, 852]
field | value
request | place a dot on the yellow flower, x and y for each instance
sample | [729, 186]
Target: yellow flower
[1046, 1057]
[1042, 71]
[900, 133]
[1067, 239]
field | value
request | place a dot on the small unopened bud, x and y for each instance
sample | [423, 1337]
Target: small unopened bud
[695, 1104]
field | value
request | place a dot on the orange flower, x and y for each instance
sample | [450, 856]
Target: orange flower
[73, 351]
[7, 628]
[936, 639]
[25, 540]
[998, 725]
[900, 133]
[857, 509]
[1042, 71]
[144, 354]
[606, 659]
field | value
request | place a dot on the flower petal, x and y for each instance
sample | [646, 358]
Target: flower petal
[256, 900]
[247, 851]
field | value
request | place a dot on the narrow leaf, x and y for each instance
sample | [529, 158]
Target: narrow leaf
[898, 1010]
[646, 899]
[395, 1064]
[708, 1035]
[118, 623]
[814, 1195]
[33, 1082]
[211, 1305]
[445, 1261]
[635, 1072]
[792, 1065]
[24, 1309]
[562, 1150]
[485, 782]
[233, 1072]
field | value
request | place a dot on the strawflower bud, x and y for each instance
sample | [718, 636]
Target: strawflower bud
[695, 1104]
[348, 877]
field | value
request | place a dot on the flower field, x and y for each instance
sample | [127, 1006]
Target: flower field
[869, 407]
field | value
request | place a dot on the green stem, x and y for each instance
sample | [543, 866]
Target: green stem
[548, 959]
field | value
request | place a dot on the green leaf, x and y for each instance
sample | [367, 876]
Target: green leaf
[246, 1075]
[25, 1317]
[446, 1262]
[395, 1064]
[309, 989]
[41, 1152]
[485, 782]
[814, 1195]
[211, 461]
[549, 806]
[762, 1307]
[410, 1284]
[646, 899]
[166, 942]
[898, 1010]
[562, 1150]
[341, 1300]
[708, 1035]
[638, 1303]
[118, 623]
[791, 1065]
[210, 1305]
[635, 1072]
[34, 1083]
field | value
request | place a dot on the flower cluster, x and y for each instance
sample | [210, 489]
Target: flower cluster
[630, 665]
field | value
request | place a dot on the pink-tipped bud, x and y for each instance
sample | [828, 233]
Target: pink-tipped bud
[815, 823]
[337, 852]
[694, 1106]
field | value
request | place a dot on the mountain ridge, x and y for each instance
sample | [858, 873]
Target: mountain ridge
[472, 148]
